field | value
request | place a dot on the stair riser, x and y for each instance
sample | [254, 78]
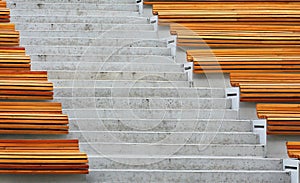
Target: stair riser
[160, 125]
[106, 67]
[31, 41]
[86, 50]
[70, 8]
[119, 84]
[184, 163]
[174, 138]
[102, 58]
[76, 19]
[144, 103]
[136, 76]
[156, 137]
[153, 176]
[168, 150]
[133, 91]
[81, 112]
[234, 177]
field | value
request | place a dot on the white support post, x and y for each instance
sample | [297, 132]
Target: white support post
[140, 4]
[234, 94]
[188, 69]
[172, 43]
[260, 128]
[292, 165]
[154, 21]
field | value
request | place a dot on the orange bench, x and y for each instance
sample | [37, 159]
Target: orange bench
[237, 78]
[267, 87]
[26, 90]
[15, 62]
[282, 119]
[293, 149]
[9, 38]
[218, 35]
[23, 75]
[4, 50]
[254, 60]
[42, 157]
[4, 15]
[32, 118]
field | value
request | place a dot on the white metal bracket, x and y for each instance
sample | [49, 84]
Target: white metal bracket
[292, 165]
[154, 21]
[140, 4]
[260, 128]
[188, 69]
[234, 94]
[172, 43]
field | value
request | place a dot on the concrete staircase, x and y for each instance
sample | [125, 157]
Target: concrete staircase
[130, 103]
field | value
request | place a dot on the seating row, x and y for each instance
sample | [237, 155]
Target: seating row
[18, 84]
[255, 41]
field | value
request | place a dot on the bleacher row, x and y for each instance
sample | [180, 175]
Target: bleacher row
[255, 41]
[25, 109]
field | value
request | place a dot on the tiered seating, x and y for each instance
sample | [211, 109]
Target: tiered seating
[42, 157]
[256, 41]
[18, 82]
[14, 58]
[230, 26]
[281, 118]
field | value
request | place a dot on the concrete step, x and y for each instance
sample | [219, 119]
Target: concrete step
[154, 137]
[116, 175]
[107, 66]
[80, 27]
[92, 34]
[176, 125]
[70, 8]
[84, 41]
[185, 163]
[78, 12]
[142, 92]
[157, 175]
[102, 58]
[118, 84]
[160, 149]
[144, 114]
[165, 137]
[69, 41]
[136, 76]
[92, 50]
[144, 103]
[103, 19]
